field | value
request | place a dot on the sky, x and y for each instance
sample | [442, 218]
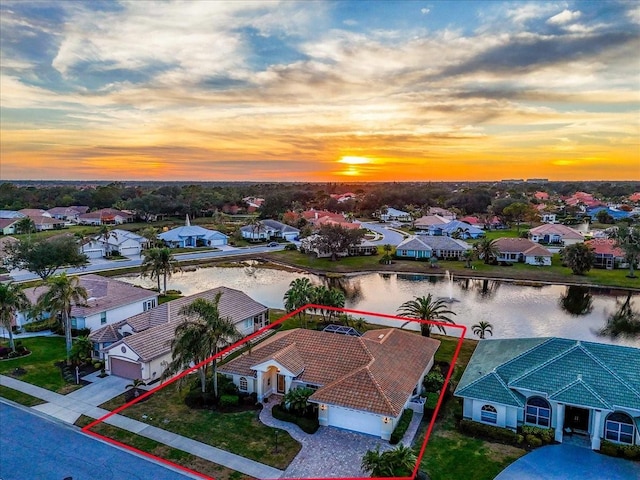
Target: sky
[319, 91]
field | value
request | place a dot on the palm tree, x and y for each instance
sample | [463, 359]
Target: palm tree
[298, 295]
[487, 250]
[25, 225]
[200, 336]
[12, 300]
[105, 233]
[151, 234]
[482, 328]
[135, 385]
[468, 256]
[398, 462]
[426, 308]
[62, 294]
[157, 262]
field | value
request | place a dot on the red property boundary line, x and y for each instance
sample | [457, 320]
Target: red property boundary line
[463, 331]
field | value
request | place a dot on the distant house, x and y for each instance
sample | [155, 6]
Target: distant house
[8, 225]
[607, 254]
[555, 234]
[109, 301]
[118, 242]
[268, 230]
[414, 247]
[445, 248]
[522, 250]
[42, 220]
[541, 196]
[442, 212]
[140, 346]
[193, 236]
[456, 228]
[427, 221]
[11, 214]
[393, 214]
[68, 214]
[105, 216]
[591, 390]
[361, 384]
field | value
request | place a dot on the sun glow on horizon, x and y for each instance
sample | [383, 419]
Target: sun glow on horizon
[350, 160]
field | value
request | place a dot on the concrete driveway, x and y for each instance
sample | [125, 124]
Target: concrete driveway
[569, 462]
[388, 236]
[100, 390]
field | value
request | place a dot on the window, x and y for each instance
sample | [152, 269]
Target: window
[149, 304]
[242, 384]
[403, 253]
[619, 428]
[489, 414]
[538, 412]
[248, 323]
[103, 318]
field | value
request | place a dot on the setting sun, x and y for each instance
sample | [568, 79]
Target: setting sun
[354, 160]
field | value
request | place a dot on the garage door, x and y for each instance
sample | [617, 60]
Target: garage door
[129, 251]
[355, 420]
[97, 253]
[122, 368]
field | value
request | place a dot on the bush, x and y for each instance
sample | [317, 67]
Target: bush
[475, 429]
[197, 399]
[290, 246]
[433, 381]
[173, 292]
[4, 351]
[533, 441]
[630, 452]
[225, 386]
[98, 365]
[306, 424]
[401, 427]
[546, 435]
[39, 326]
[229, 401]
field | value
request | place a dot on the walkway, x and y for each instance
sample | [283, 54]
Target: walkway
[68, 409]
[569, 462]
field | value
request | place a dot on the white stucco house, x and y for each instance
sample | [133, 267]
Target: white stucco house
[139, 347]
[361, 383]
[109, 302]
[578, 388]
[522, 250]
[122, 242]
[555, 234]
[268, 230]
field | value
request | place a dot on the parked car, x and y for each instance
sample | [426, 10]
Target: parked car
[272, 244]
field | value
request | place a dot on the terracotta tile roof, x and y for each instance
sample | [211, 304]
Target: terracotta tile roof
[557, 229]
[521, 245]
[605, 246]
[376, 372]
[108, 333]
[5, 222]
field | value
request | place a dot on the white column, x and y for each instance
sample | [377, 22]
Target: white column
[259, 384]
[287, 383]
[559, 422]
[596, 427]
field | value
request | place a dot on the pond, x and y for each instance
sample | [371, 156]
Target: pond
[513, 310]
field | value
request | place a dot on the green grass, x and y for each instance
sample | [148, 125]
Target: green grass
[346, 264]
[39, 366]
[493, 234]
[163, 451]
[447, 348]
[167, 298]
[19, 397]
[241, 433]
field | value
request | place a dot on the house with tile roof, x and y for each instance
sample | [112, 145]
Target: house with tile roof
[193, 236]
[360, 383]
[427, 221]
[393, 214]
[456, 228]
[445, 248]
[117, 242]
[555, 234]
[607, 254]
[522, 250]
[105, 216]
[109, 301]
[139, 346]
[8, 226]
[414, 247]
[69, 214]
[269, 230]
[578, 388]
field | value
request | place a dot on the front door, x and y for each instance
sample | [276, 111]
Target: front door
[576, 418]
[281, 384]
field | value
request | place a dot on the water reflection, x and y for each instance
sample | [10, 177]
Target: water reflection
[625, 321]
[577, 300]
[483, 287]
[349, 286]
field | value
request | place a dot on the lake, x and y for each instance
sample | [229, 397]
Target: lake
[513, 310]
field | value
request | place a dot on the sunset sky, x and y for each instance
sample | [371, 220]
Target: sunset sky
[318, 91]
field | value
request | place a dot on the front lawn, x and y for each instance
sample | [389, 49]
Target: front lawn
[39, 366]
[19, 397]
[158, 449]
[346, 264]
[240, 433]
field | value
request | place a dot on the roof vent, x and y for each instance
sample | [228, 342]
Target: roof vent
[579, 376]
[381, 336]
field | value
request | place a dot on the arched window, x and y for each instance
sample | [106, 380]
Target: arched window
[242, 384]
[489, 414]
[538, 412]
[619, 428]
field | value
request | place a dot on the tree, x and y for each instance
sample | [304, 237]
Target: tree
[579, 258]
[386, 258]
[81, 349]
[336, 240]
[12, 300]
[482, 328]
[44, 257]
[25, 225]
[159, 262]
[297, 399]
[330, 297]
[517, 212]
[200, 336]
[426, 308]
[151, 234]
[604, 217]
[628, 239]
[63, 293]
[487, 250]
[298, 295]
[624, 321]
[135, 385]
[398, 462]
[468, 256]
[105, 233]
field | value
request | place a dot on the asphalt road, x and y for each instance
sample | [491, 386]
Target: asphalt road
[33, 447]
[388, 236]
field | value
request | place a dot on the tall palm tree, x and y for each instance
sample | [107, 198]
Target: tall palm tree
[12, 300]
[468, 256]
[482, 328]
[62, 294]
[487, 250]
[427, 308]
[26, 225]
[298, 295]
[201, 335]
[159, 262]
[105, 233]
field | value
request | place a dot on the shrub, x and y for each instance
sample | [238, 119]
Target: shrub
[475, 429]
[225, 386]
[14, 354]
[433, 381]
[97, 365]
[308, 425]
[630, 452]
[546, 435]
[197, 399]
[533, 441]
[520, 439]
[290, 246]
[39, 326]
[229, 400]
[173, 292]
[4, 351]
[401, 427]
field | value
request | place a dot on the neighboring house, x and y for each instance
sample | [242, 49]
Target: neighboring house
[543, 196]
[269, 229]
[445, 248]
[442, 212]
[548, 217]
[555, 234]
[11, 214]
[365, 247]
[8, 225]
[118, 242]
[312, 216]
[42, 220]
[456, 228]
[361, 384]
[109, 301]
[577, 388]
[427, 221]
[140, 346]
[414, 247]
[607, 254]
[522, 250]
[193, 236]
[394, 214]
[69, 214]
[106, 216]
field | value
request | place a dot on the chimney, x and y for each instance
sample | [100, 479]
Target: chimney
[187, 223]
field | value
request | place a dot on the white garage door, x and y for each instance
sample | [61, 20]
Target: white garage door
[216, 242]
[94, 253]
[355, 420]
[122, 368]
[129, 251]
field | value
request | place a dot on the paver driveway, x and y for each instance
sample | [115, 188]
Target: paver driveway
[569, 462]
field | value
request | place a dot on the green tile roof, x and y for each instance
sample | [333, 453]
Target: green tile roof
[491, 386]
[569, 371]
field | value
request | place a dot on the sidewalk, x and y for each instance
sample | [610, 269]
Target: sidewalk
[69, 409]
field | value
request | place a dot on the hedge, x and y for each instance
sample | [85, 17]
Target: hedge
[499, 434]
[40, 325]
[631, 452]
[545, 435]
[401, 427]
[308, 425]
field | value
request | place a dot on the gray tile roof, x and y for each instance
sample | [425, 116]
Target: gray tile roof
[414, 242]
[445, 243]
